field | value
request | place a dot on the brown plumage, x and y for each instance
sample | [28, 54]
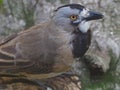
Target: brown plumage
[50, 48]
[37, 50]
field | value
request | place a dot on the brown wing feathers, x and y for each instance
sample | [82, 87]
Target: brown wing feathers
[7, 39]
[5, 52]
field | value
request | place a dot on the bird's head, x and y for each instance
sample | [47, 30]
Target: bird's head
[74, 16]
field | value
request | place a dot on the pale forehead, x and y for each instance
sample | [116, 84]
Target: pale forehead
[84, 12]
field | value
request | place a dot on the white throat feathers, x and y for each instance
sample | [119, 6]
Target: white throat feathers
[84, 26]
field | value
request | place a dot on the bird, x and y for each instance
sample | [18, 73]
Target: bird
[48, 49]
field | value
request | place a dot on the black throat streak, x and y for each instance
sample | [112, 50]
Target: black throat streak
[81, 43]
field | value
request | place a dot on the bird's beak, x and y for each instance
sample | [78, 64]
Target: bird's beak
[93, 16]
[84, 25]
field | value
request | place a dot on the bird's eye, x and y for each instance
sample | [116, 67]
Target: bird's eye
[73, 17]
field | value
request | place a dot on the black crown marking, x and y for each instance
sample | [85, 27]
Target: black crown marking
[72, 6]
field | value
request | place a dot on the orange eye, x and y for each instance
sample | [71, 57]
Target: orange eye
[73, 17]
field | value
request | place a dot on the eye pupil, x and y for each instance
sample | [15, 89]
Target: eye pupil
[73, 17]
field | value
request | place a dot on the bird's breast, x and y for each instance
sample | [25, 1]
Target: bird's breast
[81, 43]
